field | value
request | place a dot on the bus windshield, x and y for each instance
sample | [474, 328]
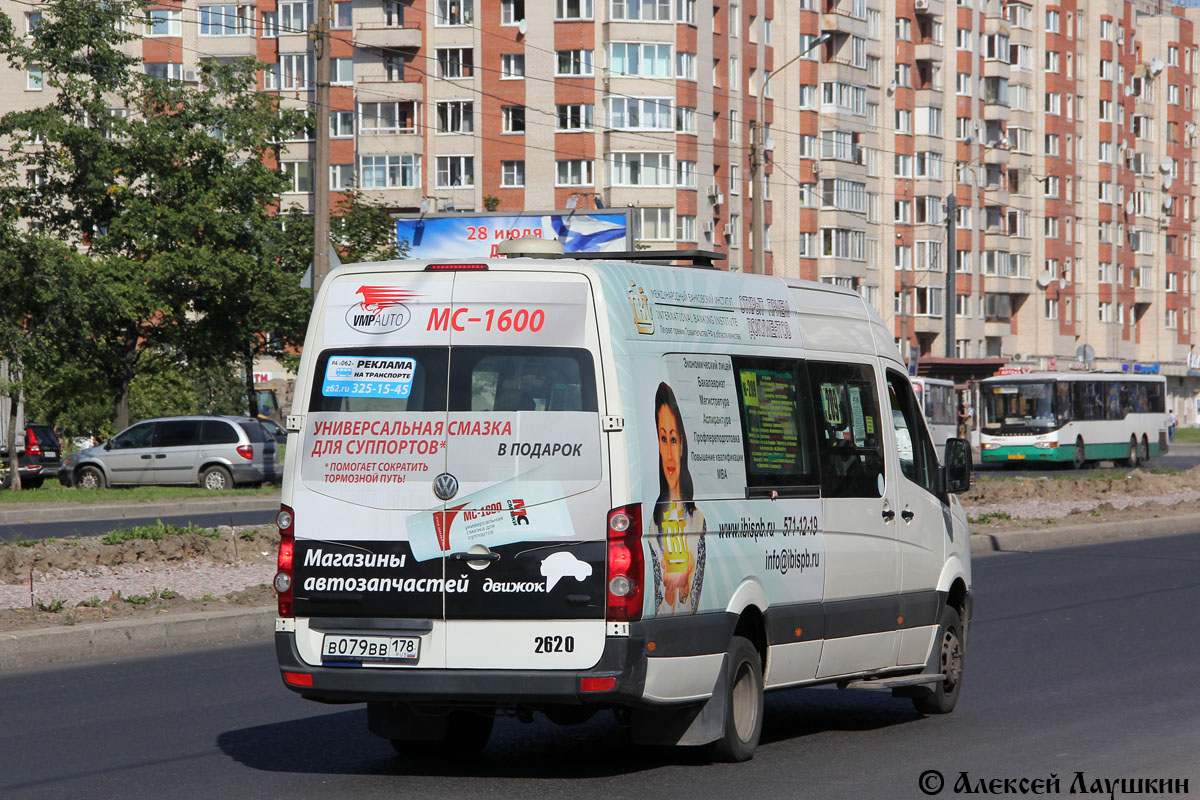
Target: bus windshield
[1022, 407]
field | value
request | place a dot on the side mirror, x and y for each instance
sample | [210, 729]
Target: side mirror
[957, 471]
[108, 445]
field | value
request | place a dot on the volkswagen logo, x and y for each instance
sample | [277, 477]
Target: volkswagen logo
[445, 486]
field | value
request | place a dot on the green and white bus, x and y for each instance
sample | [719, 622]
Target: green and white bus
[1073, 417]
[939, 405]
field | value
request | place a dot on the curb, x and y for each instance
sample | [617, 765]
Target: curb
[1068, 535]
[47, 646]
[73, 512]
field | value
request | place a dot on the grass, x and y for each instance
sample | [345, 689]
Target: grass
[57, 493]
[54, 606]
[989, 517]
[1187, 435]
[155, 533]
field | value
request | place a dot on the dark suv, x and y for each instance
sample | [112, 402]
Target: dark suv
[39, 454]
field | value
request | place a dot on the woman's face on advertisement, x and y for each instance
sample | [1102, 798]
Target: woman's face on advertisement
[670, 448]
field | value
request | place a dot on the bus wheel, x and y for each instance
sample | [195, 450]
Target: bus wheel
[1145, 454]
[1132, 461]
[1080, 458]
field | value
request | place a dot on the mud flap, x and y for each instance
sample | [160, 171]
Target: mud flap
[684, 725]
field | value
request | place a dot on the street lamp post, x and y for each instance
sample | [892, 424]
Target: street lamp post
[757, 173]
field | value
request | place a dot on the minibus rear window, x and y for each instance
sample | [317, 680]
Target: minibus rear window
[368, 379]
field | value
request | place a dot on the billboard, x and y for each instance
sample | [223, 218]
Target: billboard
[479, 235]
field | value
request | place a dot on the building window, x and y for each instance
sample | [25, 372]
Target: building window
[512, 12]
[512, 174]
[637, 59]
[35, 81]
[574, 62]
[453, 12]
[393, 13]
[640, 10]
[685, 119]
[295, 71]
[641, 169]
[573, 9]
[341, 71]
[295, 17]
[573, 172]
[685, 174]
[513, 119]
[341, 124]
[456, 62]
[165, 70]
[685, 227]
[685, 66]
[395, 117]
[653, 224]
[455, 171]
[575, 117]
[227, 19]
[299, 175]
[640, 113]
[395, 66]
[341, 177]
[456, 116]
[512, 66]
[164, 22]
[391, 171]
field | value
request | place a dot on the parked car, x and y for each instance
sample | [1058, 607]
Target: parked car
[274, 429]
[213, 452]
[39, 453]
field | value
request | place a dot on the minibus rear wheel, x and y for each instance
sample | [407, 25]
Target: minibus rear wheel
[743, 703]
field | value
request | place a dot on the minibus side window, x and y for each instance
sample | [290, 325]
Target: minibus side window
[918, 460]
[849, 440]
[777, 430]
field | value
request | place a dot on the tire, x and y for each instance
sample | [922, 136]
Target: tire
[467, 734]
[216, 479]
[1132, 460]
[1145, 453]
[947, 658]
[743, 703]
[1079, 459]
[90, 478]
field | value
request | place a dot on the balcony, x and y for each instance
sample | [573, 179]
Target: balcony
[931, 8]
[996, 68]
[997, 155]
[996, 112]
[843, 24]
[387, 36]
[928, 51]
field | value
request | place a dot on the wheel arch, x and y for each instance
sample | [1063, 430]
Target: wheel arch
[748, 603]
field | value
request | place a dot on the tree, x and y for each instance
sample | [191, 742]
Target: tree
[163, 187]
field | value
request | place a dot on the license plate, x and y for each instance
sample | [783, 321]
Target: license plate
[49, 454]
[1015, 456]
[399, 649]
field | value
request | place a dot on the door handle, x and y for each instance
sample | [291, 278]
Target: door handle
[147, 456]
[907, 514]
[474, 556]
[160, 455]
[888, 515]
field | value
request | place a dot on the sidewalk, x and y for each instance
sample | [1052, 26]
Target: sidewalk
[32, 649]
[21, 513]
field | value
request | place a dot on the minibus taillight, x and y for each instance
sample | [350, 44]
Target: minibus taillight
[31, 443]
[452, 267]
[246, 451]
[285, 521]
[625, 564]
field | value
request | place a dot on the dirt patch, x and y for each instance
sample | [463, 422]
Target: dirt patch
[1093, 496]
[79, 580]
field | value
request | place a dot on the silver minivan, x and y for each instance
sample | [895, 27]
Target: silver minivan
[213, 452]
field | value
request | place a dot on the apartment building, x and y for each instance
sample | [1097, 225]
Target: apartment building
[1064, 132]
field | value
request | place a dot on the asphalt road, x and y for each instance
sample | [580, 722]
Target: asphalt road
[1080, 660]
[47, 530]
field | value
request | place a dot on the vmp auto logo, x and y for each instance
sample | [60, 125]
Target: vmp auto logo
[381, 310]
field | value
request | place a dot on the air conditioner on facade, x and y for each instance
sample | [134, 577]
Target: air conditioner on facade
[707, 227]
[728, 229]
[718, 199]
[189, 76]
[714, 189]
[922, 5]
